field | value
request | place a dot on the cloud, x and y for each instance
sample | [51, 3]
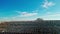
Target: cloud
[3, 19]
[26, 14]
[47, 4]
[51, 16]
[21, 16]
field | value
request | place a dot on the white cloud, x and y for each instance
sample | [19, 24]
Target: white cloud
[3, 19]
[29, 14]
[51, 16]
[20, 16]
[47, 4]
[25, 14]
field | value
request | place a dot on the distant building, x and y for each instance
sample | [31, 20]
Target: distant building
[37, 26]
[3, 26]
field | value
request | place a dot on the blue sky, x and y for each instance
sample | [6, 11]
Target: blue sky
[12, 10]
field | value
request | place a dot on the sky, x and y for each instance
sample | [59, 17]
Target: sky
[21, 10]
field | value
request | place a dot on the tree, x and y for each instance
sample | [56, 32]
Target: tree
[39, 20]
